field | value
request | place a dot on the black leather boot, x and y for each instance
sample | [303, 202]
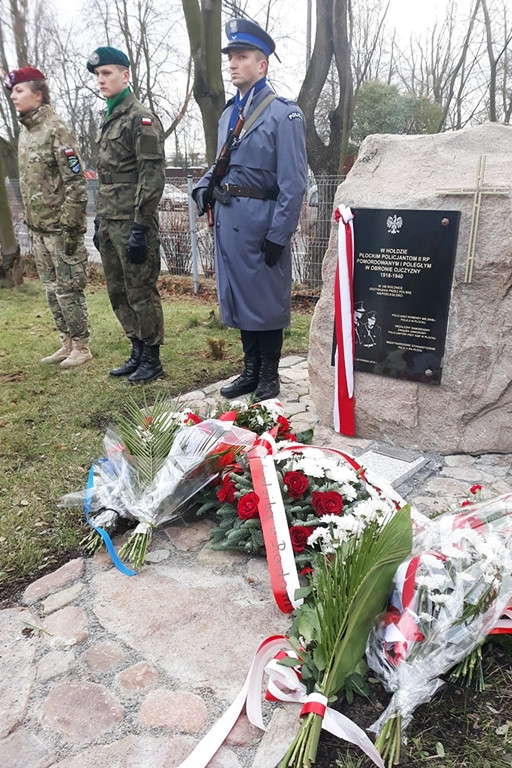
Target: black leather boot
[268, 384]
[150, 367]
[130, 365]
[246, 382]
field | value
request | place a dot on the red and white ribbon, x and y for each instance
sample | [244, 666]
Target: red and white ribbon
[284, 578]
[280, 677]
[504, 625]
[344, 419]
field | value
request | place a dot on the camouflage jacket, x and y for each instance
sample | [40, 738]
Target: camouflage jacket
[52, 177]
[130, 164]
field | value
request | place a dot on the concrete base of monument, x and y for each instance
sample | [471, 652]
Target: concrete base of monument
[394, 464]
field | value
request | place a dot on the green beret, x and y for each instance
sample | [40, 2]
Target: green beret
[107, 55]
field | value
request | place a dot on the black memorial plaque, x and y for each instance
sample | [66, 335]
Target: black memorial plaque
[403, 269]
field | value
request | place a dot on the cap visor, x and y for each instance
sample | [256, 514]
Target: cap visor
[244, 46]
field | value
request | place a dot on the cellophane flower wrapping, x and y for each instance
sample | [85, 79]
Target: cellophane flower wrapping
[447, 598]
[197, 454]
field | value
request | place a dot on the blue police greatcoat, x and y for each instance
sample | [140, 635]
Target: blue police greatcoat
[253, 296]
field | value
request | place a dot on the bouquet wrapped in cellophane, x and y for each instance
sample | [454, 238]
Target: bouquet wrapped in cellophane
[447, 598]
[155, 460]
[349, 585]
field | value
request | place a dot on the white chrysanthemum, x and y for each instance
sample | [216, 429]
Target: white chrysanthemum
[440, 599]
[273, 407]
[349, 492]
[432, 581]
[372, 509]
[238, 405]
[339, 530]
[340, 473]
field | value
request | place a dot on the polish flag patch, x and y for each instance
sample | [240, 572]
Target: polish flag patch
[146, 121]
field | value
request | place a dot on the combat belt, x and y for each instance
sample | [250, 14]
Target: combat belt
[118, 178]
[224, 193]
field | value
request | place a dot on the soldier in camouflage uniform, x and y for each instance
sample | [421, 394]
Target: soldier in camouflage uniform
[130, 183]
[54, 192]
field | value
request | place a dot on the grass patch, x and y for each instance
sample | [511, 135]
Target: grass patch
[52, 421]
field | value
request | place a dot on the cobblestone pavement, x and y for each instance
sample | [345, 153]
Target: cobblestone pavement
[101, 670]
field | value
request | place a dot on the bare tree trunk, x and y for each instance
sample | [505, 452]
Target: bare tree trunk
[11, 266]
[325, 158]
[204, 33]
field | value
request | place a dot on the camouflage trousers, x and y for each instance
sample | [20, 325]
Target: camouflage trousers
[132, 287]
[64, 279]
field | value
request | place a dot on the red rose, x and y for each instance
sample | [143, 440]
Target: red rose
[296, 484]
[475, 489]
[327, 502]
[226, 492]
[224, 454]
[283, 424]
[466, 503]
[192, 418]
[247, 506]
[299, 535]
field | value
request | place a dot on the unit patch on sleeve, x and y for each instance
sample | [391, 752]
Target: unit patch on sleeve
[73, 161]
[293, 115]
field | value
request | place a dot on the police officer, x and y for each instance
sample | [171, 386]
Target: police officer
[54, 193]
[257, 210]
[130, 184]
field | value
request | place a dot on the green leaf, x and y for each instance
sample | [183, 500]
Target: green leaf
[392, 546]
[305, 437]
[319, 658]
[302, 592]
[307, 623]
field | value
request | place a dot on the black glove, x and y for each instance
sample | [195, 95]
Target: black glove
[70, 240]
[96, 236]
[136, 250]
[199, 197]
[272, 252]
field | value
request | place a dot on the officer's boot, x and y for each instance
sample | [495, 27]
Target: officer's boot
[150, 367]
[61, 354]
[130, 365]
[268, 384]
[80, 354]
[246, 382]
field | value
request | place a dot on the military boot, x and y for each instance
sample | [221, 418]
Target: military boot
[130, 365]
[80, 354]
[246, 382]
[150, 367]
[268, 384]
[63, 352]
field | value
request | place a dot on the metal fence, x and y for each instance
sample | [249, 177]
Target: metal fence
[187, 241]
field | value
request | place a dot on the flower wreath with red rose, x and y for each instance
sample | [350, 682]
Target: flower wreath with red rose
[321, 490]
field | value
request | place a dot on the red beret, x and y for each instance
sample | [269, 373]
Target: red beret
[22, 75]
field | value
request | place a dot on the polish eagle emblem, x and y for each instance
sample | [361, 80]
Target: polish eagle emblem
[394, 224]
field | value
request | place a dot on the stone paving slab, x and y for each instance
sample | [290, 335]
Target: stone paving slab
[101, 670]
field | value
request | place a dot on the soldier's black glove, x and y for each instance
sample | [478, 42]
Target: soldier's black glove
[96, 236]
[136, 250]
[199, 197]
[272, 251]
[70, 240]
